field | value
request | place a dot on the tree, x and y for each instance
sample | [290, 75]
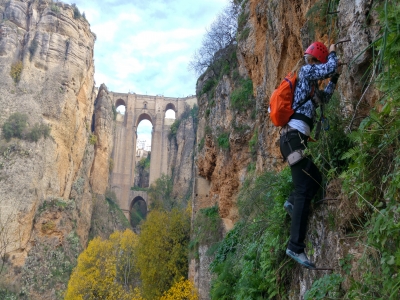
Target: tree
[15, 125]
[106, 269]
[162, 252]
[160, 194]
[217, 42]
[182, 290]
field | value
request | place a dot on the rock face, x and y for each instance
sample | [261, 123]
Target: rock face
[278, 34]
[104, 128]
[181, 152]
[47, 187]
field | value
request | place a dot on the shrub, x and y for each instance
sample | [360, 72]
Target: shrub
[210, 83]
[182, 290]
[242, 20]
[201, 144]
[223, 140]
[327, 287]
[32, 49]
[250, 262]
[54, 8]
[114, 110]
[92, 139]
[38, 131]
[241, 98]
[49, 226]
[244, 34]
[174, 129]
[14, 126]
[77, 13]
[253, 144]
[16, 70]
[144, 163]
[207, 230]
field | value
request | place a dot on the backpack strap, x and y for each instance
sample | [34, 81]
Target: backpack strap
[310, 97]
[302, 117]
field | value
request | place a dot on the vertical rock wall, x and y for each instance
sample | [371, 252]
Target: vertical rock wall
[279, 32]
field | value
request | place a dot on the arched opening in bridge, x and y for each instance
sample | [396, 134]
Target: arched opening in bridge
[170, 111]
[143, 151]
[120, 107]
[137, 211]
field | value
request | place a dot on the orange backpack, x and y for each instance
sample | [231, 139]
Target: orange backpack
[281, 101]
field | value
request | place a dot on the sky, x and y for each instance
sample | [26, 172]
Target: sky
[144, 46]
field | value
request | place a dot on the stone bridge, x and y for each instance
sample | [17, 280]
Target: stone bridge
[139, 108]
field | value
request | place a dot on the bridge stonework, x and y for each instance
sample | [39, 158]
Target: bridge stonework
[139, 108]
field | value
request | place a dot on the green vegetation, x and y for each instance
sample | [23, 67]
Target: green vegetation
[138, 213]
[144, 163]
[54, 8]
[188, 112]
[209, 85]
[38, 131]
[114, 208]
[32, 48]
[16, 127]
[250, 262]
[244, 34]
[253, 144]
[367, 162]
[16, 71]
[174, 129]
[207, 230]
[115, 113]
[201, 144]
[160, 194]
[92, 139]
[242, 96]
[242, 20]
[139, 189]
[77, 13]
[162, 253]
[327, 287]
[223, 140]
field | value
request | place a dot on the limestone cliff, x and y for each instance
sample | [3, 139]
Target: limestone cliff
[48, 187]
[180, 159]
[277, 33]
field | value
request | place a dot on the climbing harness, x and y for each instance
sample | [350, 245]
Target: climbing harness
[295, 155]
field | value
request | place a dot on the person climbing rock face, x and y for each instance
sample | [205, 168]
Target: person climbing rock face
[316, 64]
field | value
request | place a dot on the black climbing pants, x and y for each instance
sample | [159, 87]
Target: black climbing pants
[306, 179]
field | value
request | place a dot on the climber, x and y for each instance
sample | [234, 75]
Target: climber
[316, 64]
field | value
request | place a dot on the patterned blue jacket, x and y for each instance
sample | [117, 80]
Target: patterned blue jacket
[306, 78]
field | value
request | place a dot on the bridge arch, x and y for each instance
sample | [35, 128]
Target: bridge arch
[144, 116]
[137, 211]
[119, 102]
[171, 106]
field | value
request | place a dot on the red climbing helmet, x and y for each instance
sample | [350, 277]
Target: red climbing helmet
[319, 51]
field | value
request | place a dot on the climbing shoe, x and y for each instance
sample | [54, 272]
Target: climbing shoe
[288, 207]
[301, 258]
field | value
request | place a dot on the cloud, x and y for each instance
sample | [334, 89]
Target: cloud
[145, 46]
